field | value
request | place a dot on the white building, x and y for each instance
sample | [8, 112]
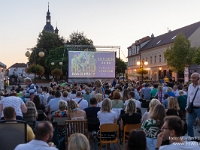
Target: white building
[152, 50]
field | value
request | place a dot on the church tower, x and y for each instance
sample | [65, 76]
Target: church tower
[48, 27]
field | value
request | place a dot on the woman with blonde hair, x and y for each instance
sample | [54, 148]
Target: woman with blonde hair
[152, 105]
[73, 111]
[98, 97]
[106, 115]
[131, 116]
[98, 87]
[173, 107]
[78, 141]
[31, 105]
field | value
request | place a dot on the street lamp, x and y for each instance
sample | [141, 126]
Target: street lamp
[142, 63]
[28, 54]
[40, 54]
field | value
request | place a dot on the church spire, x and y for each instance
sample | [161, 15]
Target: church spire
[56, 30]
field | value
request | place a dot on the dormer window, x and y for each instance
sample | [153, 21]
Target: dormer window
[158, 42]
[174, 37]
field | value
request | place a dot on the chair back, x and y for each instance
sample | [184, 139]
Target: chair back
[76, 126]
[30, 116]
[128, 128]
[93, 123]
[111, 127]
[41, 116]
[12, 133]
[60, 120]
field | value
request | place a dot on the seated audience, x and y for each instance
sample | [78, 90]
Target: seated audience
[172, 130]
[87, 96]
[10, 114]
[98, 97]
[74, 112]
[15, 102]
[152, 126]
[152, 105]
[106, 115]
[165, 102]
[43, 136]
[53, 103]
[65, 96]
[78, 141]
[131, 116]
[91, 114]
[136, 140]
[132, 96]
[62, 109]
[80, 101]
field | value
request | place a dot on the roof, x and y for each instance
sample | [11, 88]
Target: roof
[2, 65]
[169, 37]
[142, 40]
[18, 65]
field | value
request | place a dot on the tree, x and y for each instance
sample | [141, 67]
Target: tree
[57, 72]
[120, 66]
[60, 54]
[196, 58]
[46, 41]
[36, 69]
[179, 54]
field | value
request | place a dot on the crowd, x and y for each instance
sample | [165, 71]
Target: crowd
[172, 111]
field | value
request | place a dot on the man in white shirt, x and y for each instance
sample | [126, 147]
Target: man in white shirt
[80, 101]
[192, 89]
[43, 135]
[172, 130]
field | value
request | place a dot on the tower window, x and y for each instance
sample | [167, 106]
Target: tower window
[48, 20]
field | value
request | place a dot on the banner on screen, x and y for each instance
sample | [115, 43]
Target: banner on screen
[84, 64]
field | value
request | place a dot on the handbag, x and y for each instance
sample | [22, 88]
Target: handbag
[190, 106]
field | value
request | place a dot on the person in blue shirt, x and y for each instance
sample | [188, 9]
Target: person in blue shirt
[146, 92]
[165, 102]
[169, 92]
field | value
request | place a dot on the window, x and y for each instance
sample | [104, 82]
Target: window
[174, 37]
[159, 58]
[147, 59]
[158, 42]
[154, 59]
[151, 60]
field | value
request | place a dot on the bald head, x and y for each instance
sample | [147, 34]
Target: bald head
[195, 78]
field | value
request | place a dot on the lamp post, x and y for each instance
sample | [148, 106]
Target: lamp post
[60, 63]
[142, 63]
[40, 54]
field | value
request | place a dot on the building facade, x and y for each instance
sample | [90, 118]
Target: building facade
[153, 50]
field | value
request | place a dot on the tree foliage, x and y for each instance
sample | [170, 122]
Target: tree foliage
[140, 71]
[179, 54]
[57, 72]
[46, 41]
[36, 69]
[120, 66]
[196, 58]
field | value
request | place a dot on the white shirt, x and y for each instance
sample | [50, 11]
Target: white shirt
[138, 103]
[181, 146]
[13, 101]
[176, 93]
[83, 104]
[191, 93]
[106, 117]
[35, 145]
[100, 104]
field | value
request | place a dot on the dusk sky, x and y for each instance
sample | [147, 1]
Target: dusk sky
[106, 22]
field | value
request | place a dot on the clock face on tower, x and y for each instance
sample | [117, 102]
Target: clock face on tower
[48, 20]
